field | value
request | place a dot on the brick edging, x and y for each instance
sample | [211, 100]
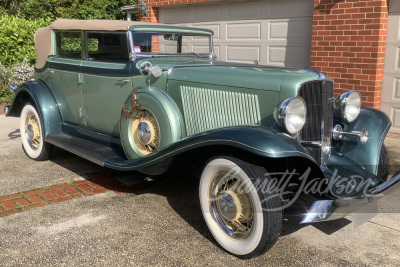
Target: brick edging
[97, 183]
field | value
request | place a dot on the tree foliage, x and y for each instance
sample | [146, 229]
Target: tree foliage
[72, 9]
[19, 20]
[16, 39]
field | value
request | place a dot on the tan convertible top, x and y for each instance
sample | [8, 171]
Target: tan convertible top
[43, 40]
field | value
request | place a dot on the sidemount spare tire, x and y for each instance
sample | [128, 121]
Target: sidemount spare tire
[150, 121]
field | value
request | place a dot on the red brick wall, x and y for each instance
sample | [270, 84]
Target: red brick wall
[348, 44]
[152, 7]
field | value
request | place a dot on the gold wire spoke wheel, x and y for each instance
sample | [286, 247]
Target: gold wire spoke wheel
[32, 131]
[145, 132]
[231, 206]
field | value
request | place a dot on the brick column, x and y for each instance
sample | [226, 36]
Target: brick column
[152, 15]
[348, 44]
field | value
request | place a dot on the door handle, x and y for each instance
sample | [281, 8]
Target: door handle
[124, 81]
[80, 78]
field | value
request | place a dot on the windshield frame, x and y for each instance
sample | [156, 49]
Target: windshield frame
[133, 55]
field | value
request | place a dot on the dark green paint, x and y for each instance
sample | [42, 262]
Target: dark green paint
[367, 155]
[258, 140]
[39, 93]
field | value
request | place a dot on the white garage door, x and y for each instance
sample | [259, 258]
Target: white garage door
[391, 76]
[273, 32]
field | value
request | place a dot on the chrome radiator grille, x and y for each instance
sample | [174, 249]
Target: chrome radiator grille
[318, 96]
[206, 109]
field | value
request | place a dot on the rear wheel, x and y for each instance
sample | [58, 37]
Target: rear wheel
[32, 134]
[245, 220]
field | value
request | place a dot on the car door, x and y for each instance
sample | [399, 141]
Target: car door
[64, 75]
[106, 79]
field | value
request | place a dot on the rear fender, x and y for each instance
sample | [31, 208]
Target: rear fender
[39, 93]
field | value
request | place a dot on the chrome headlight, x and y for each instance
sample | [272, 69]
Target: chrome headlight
[348, 105]
[291, 114]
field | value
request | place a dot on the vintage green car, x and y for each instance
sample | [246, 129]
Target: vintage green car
[138, 96]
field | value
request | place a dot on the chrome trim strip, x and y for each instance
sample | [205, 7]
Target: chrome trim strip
[327, 210]
[132, 54]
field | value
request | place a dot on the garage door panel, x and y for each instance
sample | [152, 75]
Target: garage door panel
[292, 30]
[391, 74]
[206, 12]
[287, 56]
[217, 51]
[214, 27]
[175, 15]
[243, 54]
[244, 30]
[244, 10]
[290, 9]
[394, 6]
[200, 49]
[396, 116]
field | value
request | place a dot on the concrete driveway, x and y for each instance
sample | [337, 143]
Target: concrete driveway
[122, 219]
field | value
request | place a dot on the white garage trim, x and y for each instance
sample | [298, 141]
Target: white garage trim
[391, 73]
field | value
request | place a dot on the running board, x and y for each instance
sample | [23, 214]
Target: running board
[92, 151]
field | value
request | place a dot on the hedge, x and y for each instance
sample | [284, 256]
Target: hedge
[16, 39]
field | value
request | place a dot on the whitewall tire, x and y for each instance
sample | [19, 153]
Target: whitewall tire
[244, 220]
[32, 134]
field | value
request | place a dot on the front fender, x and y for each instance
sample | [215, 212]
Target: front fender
[39, 93]
[255, 139]
[367, 155]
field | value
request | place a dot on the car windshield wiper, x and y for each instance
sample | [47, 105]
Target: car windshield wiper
[161, 53]
[194, 54]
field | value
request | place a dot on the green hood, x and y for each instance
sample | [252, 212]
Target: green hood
[237, 75]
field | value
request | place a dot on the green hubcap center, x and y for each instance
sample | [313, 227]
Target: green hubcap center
[227, 207]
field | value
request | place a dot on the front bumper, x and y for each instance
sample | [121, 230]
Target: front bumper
[327, 210]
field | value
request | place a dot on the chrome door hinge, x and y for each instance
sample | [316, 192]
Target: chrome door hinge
[82, 112]
[80, 78]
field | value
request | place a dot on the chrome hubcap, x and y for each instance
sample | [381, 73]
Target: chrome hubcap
[32, 131]
[231, 206]
[227, 207]
[144, 133]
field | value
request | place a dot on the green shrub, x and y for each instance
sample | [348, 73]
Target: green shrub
[16, 75]
[16, 39]
[5, 82]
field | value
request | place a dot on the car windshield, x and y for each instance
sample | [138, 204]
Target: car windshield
[155, 44]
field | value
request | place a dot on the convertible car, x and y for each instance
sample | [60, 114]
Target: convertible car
[140, 96]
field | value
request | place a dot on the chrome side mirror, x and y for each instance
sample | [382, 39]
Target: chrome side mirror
[156, 71]
[146, 69]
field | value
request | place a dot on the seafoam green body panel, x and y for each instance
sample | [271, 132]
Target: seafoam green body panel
[62, 77]
[39, 93]
[105, 86]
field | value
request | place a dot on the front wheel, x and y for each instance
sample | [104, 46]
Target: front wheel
[383, 167]
[32, 134]
[240, 205]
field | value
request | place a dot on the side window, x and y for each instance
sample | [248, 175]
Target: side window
[68, 44]
[106, 46]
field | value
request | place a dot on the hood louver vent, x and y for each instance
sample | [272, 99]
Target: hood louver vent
[206, 109]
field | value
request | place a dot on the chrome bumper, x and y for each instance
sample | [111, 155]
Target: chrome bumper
[327, 210]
